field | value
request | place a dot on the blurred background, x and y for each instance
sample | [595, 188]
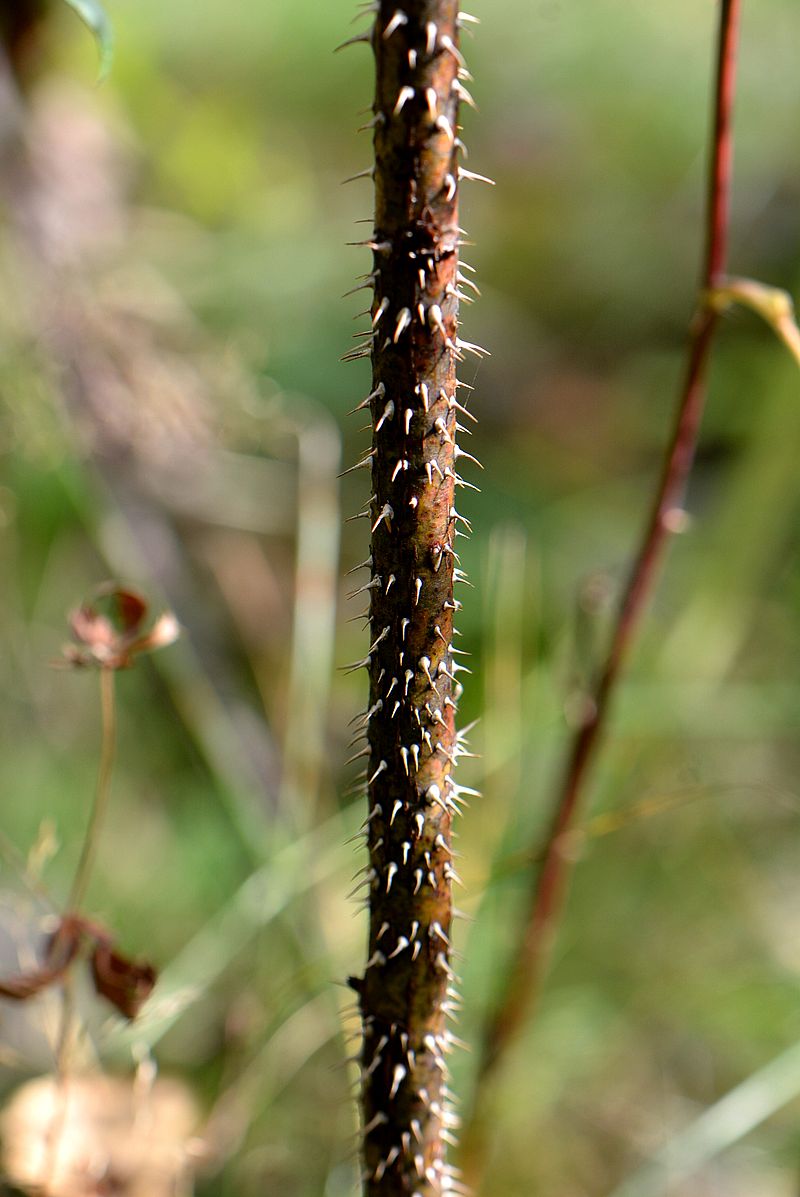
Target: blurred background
[173, 415]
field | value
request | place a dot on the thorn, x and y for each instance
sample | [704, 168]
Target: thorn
[470, 175]
[467, 282]
[434, 795]
[369, 281]
[425, 666]
[376, 959]
[435, 320]
[453, 403]
[380, 1119]
[378, 640]
[352, 41]
[458, 452]
[404, 95]
[400, 1073]
[354, 355]
[431, 32]
[451, 874]
[440, 426]
[435, 930]
[369, 173]
[383, 305]
[460, 481]
[432, 100]
[372, 584]
[360, 465]
[403, 321]
[365, 564]
[408, 414]
[404, 756]
[441, 963]
[362, 664]
[450, 189]
[389, 584]
[463, 94]
[398, 806]
[457, 790]
[443, 125]
[396, 22]
[390, 873]
[402, 944]
[388, 412]
[378, 393]
[387, 514]
[378, 119]
[477, 350]
[447, 43]
[382, 932]
[373, 710]
[382, 767]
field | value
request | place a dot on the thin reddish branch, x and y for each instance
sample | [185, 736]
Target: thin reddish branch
[550, 882]
[721, 164]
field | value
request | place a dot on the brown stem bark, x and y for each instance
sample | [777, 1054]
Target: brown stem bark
[549, 883]
[410, 723]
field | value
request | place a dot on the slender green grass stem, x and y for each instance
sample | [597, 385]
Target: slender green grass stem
[102, 791]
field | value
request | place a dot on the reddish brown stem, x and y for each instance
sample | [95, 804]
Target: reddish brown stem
[550, 882]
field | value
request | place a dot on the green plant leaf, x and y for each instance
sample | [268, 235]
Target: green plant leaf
[94, 16]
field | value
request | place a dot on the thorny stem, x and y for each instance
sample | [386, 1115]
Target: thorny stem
[405, 992]
[550, 881]
[101, 794]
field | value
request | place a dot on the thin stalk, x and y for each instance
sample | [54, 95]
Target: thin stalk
[549, 884]
[409, 726]
[101, 794]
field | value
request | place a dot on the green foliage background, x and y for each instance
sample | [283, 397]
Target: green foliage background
[199, 230]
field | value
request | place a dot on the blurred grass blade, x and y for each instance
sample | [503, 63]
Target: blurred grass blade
[95, 18]
[292, 871]
[718, 1128]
